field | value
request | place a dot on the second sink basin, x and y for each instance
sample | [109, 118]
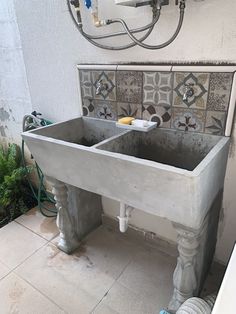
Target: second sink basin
[174, 148]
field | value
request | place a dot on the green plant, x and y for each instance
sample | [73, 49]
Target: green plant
[14, 190]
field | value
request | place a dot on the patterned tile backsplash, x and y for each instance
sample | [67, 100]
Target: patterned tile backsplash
[144, 95]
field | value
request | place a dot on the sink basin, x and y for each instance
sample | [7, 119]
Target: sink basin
[82, 131]
[177, 149]
[168, 173]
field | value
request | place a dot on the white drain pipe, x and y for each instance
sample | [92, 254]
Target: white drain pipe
[125, 211]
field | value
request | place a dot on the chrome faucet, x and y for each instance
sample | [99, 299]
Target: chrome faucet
[188, 92]
[100, 86]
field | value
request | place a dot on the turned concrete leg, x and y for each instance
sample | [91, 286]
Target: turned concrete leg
[196, 250]
[185, 274]
[68, 239]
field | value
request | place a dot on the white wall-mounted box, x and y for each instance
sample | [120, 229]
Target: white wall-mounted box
[131, 3]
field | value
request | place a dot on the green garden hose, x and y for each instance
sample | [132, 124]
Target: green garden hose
[31, 122]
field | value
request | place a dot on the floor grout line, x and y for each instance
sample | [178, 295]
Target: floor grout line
[115, 281]
[33, 231]
[14, 268]
[51, 300]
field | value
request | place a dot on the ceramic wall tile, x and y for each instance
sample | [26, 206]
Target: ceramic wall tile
[150, 112]
[200, 83]
[129, 86]
[105, 110]
[188, 119]
[86, 84]
[144, 92]
[129, 110]
[215, 122]
[157, 88]
[219, 91]
[108, 78]
[88, 108]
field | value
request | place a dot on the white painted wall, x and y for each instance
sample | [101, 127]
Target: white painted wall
[52, 47]
[14, 91]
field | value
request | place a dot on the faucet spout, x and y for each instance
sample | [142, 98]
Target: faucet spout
[189, 92]
[100, 87]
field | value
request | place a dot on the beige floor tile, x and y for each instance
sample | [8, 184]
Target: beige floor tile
[35, 221]
[17, 243]
[74, 282]
[125, 301]
[17, 296]
[150, 275]
[4, 270]
[108, 251]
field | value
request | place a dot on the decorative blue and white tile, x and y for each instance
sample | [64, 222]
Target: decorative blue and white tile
[150, 112]
[219, 91]
[200, 84]
[129, 110]
[157, 88]
[105, 110]
[86, 84]
[188, 119]
[215, 122]
[129, 86]
[108, 78]
[88, 108]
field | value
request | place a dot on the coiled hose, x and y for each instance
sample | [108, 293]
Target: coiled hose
[31, 122]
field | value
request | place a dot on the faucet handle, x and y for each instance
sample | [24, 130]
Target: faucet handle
[188, 84]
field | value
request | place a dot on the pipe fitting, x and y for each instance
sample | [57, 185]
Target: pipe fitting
[124, 217]
[97, 22]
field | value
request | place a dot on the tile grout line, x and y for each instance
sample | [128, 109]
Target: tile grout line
[115, 281]
[43, 294]
[14, 268]
[34, 231]
[13, 271]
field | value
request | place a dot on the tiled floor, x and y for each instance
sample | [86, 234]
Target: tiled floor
[108, 274]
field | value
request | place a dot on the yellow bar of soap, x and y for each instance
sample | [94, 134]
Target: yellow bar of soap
[126, 120]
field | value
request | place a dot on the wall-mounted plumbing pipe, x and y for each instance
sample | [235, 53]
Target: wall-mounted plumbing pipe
[124, 217]
[156, 7]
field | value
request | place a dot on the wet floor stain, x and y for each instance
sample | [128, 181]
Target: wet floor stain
[47, 226]
[59, 259]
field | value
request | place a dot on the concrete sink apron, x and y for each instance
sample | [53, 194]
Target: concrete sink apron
[172, 174]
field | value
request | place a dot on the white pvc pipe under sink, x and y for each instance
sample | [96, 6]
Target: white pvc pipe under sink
[125, 211]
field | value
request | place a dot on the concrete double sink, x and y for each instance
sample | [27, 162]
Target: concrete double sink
[168, 173]
[172, 174]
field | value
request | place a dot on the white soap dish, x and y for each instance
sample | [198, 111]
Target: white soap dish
[138, 125]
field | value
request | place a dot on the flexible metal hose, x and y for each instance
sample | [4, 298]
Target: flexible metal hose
[156, 15]
[153, 47]
[107, 47]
